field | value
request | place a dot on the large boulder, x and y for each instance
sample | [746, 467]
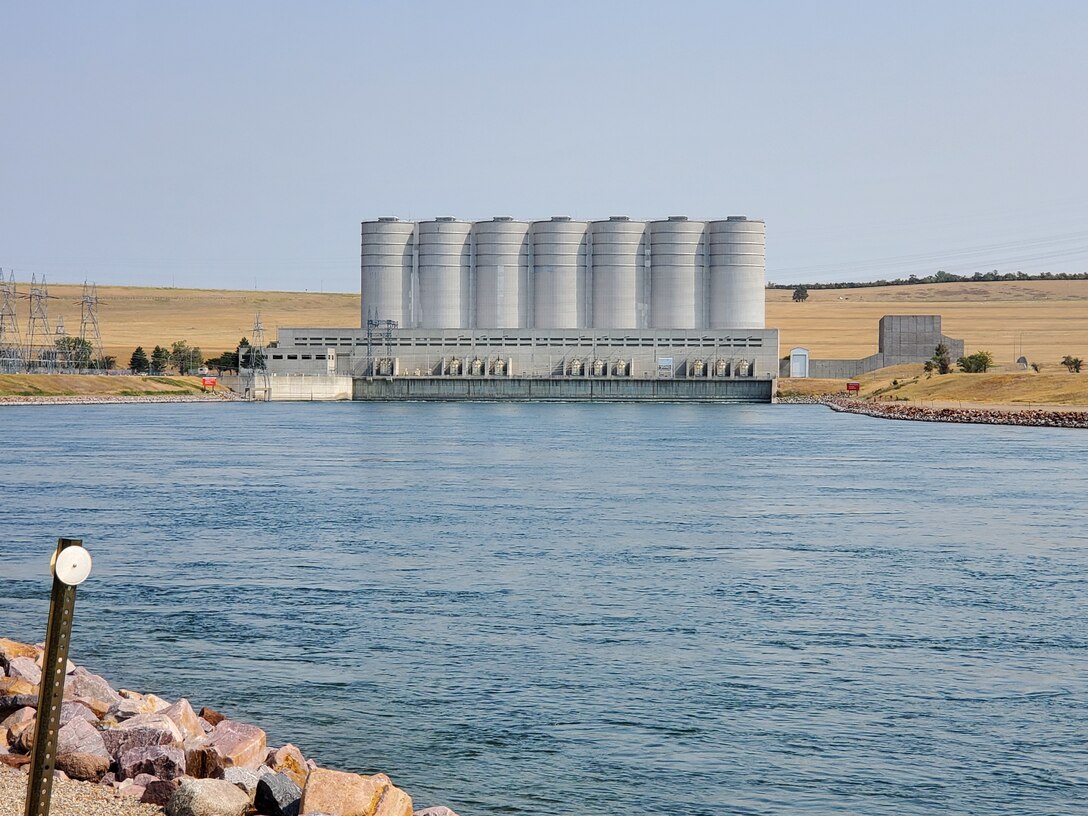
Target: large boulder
[141, 731]
[244, 779]
[160, 792]
[162, 761]
[80, 737]
[230, 745]
[207, 797]
[13, 702]
[185, 719]
[12, 648]
[128, 707]
[278, 795]
[336, 793]
[24, 668]
[72, 710]
[212, 716]
[13, 685]
[395, 802]
[290, 761]
[91, 689]
[440, 810]
[85, 767]
[14, 724]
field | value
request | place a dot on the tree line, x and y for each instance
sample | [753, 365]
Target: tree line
[938, 277]
[186, 359]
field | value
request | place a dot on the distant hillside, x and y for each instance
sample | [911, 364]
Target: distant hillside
[1046, 319]
[939, 277]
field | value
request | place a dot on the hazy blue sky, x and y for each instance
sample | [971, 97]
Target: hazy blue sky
[237, 144]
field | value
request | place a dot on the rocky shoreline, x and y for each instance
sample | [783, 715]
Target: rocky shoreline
[119, 400]
[920, 413]
[123, 752]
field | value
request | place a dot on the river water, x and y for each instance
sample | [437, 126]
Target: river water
[586, 609]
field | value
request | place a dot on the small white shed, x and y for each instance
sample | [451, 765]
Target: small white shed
[799, 362]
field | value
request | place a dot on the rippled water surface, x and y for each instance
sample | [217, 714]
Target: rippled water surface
[586, 609]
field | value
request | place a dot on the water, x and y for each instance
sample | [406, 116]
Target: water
[586, 609]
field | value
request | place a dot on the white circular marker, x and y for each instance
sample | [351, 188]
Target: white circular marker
[72, 565]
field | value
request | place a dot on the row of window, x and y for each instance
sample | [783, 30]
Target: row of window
[751, 342]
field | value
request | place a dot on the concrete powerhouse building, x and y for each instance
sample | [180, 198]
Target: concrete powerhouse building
[614, 309]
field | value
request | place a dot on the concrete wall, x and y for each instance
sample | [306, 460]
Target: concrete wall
[914, 337]
[320, 387]
[562, 389]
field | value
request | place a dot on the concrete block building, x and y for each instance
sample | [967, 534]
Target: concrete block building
[901, 339]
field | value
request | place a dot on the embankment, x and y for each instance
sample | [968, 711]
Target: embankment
[136, 754]
[976, 415]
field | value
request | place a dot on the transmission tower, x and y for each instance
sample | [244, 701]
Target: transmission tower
[38, 329]
[258, 362]
[11, 351]
[89, 333]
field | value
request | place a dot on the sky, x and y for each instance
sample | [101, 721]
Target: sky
[239, 144]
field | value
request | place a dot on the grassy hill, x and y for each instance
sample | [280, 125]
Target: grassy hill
[90, 385]
[1013, 389]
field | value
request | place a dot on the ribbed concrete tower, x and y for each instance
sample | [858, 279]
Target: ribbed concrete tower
[444, 268]
[620, 297]
[559, 273]
[502, 273]
[737, 276]
[386, 265]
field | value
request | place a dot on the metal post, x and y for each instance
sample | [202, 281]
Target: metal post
[71, 565]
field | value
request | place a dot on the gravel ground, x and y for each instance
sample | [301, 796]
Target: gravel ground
[69, 799]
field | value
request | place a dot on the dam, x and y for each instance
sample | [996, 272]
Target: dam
[615, 309]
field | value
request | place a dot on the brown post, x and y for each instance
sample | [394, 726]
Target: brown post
[51, 689]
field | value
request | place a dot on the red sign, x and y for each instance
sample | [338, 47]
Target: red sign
[853, 386]
[208, 382]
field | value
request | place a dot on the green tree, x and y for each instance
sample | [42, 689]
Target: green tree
[800, 294]
[250, 357]
[227, 361]
[1073, 364]
[941, 361]
[976, 363]
[185, 358]
[160, 359]
[138, 362]
[72, 352]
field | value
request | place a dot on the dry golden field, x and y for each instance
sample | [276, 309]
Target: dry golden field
[1048, 319]
[215, 320]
